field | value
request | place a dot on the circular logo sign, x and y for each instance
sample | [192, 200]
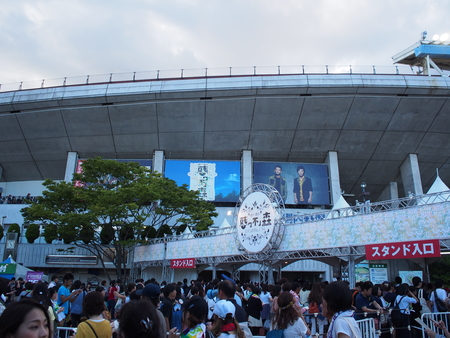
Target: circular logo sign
[256, 221]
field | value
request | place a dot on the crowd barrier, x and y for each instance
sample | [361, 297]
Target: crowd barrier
[64, 332]
[428, 319]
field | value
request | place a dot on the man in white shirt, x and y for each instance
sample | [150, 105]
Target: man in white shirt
[439, 292]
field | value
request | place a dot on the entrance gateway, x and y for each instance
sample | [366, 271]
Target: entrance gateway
[260, 219]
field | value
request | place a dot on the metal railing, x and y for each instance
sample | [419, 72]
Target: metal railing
[177, 74]
[358, 210]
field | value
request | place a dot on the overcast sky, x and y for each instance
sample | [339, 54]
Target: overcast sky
[47, 39]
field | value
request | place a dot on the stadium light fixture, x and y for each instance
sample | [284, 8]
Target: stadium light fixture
[444, 37]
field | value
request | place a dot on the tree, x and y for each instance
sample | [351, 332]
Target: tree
[32, 233]
[14, 227]
[113, 206]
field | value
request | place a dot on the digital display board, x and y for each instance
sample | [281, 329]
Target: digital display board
[298, 183]
[218, 181]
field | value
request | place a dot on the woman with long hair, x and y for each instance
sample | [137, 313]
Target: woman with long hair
[139, 320]
[41, 295]
[315, 309]
[337, 307]
[288, 319]
[96, 325]
[225, 324]
[26, 318]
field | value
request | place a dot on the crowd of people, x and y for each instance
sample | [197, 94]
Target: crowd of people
[215, 309]
[10, 199]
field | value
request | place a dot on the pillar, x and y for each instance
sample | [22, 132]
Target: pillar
[71, 165]
[411, 175]
[390, 192]
[158, 161]
[246, 169]
[335, 183]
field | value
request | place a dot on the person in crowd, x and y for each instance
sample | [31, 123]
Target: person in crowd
[140, 319]
[53, 295]
[170, 292]
[225, 324]
[152, 292]
[315, 309]
[421, 293]
[404, 299]
[227, 290]
[76, 308]
[65, 297]
[254, 308]
[441, 325]
[27, 291]
[304, 292]
[26, 318]
[266, 300]
[194, 314]
[439, 292]
[365, 303]
[288, 319]
[276, 292]
[390, 295]
[337, 308]
[54, 282]
[113, 287]
[41, 295]
[96, 325]
[105, 313]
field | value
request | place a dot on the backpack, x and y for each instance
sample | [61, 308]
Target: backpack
[423, 303]
[396, 315]
[440, 305]
[275, 334]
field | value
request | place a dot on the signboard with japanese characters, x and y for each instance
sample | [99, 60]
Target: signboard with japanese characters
[184, 263]
[378, 273]
[34, 276]
[402, 250]
[255, 222]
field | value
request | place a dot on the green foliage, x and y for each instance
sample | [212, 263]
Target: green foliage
[50, 233]
[32, 233]
[439, 269]
[112, 206]
[14, 228]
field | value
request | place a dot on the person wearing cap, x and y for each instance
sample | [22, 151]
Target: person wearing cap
[227, 290]
[152, 292]
[225, 324]
[195, 311]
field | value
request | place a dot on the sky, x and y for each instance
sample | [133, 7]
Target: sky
[52, 39]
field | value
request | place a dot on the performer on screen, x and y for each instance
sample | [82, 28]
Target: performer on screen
[303, 190]
[279, 182]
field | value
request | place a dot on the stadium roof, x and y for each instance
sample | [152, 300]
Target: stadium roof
[372, 121]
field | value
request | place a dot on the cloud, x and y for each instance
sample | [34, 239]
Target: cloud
[53, 39]
[233, 178]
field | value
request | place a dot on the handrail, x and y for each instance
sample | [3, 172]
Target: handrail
[157, 75]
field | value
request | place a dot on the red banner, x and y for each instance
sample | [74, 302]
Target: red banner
[184, 263]
[401, 250]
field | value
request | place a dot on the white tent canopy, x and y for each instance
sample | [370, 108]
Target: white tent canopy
[437, 187]
[341, 204]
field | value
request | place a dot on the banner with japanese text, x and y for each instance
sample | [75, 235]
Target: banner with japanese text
[401, 250]
[184, 263]
[34, 276]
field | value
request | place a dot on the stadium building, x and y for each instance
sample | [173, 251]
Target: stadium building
[370, 146]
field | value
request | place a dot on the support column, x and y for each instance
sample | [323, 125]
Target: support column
[411, 175]
[351, 271]
[270, 277]
[390, 192]
[1, 171]
[335, 183]
[71, 165]
[246, 169]
[158, 161]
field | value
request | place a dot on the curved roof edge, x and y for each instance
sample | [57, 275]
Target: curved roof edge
[208, 88]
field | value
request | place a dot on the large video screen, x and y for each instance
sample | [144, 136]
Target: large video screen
[218, 181]
[298, 183]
